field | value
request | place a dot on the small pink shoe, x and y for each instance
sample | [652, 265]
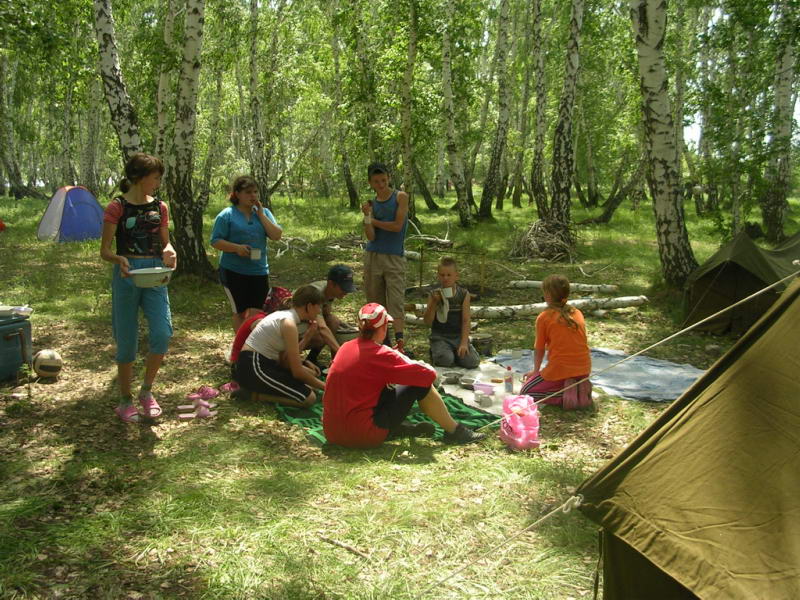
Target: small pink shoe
[150, 407]
[127, 414]
[200, 413]
[231, 386]
[204, 392]
[197, 403]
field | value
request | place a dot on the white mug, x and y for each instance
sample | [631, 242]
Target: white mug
[447, 292]
[255, 253]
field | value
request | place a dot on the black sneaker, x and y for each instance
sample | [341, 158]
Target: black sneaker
[462, 435]
[408, 430]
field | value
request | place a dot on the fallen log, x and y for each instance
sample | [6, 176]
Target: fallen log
[575, 287]
[524, 310]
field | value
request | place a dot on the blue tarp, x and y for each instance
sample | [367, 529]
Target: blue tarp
[641, 378]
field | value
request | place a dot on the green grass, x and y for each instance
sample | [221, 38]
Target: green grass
[243, 506]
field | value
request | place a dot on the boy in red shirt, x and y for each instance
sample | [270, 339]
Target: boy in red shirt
[371, 388]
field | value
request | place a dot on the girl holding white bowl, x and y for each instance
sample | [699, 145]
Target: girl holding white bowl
[138, 223]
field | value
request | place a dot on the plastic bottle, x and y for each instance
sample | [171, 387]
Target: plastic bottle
[508, 381]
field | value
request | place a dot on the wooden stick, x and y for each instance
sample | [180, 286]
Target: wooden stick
[343, 545]
[524, 310]
[575, 287]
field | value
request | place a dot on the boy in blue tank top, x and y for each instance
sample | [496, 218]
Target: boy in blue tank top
[385, 224]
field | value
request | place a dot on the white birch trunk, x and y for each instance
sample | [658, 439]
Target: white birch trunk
[88, 161]
[649, 27]
[526, 310]
[260, 156]
[187, 212]
[405, 109]
[493, 175]
[340, 111]
[773, 203]
[563, 153]
[538, 187]
[123, 116]
[164, 93]
[575, 287]
[448, 109]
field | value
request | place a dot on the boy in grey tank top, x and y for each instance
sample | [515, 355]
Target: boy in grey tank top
[385, 224]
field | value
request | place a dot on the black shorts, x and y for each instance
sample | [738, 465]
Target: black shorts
[257, 373]
[395, 403]
[244, 291]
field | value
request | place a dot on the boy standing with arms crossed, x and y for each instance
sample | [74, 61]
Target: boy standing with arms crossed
[385, 224]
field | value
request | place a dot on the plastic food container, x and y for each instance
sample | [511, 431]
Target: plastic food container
[486, 388]
[467, 382]
[451, 376]
[151, 276]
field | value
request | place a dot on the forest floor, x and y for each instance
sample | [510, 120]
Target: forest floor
[244, 505]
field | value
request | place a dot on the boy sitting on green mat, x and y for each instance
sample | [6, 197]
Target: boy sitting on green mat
[371, 388]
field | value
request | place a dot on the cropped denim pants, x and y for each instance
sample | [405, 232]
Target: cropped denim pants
[126, 299]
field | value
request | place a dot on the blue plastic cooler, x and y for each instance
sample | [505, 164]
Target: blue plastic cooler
[15, 345]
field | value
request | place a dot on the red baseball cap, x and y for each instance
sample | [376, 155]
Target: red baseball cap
[373, 315]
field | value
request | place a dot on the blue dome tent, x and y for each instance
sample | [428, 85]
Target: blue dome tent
[73, 214]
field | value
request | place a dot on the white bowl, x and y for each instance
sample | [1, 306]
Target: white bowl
[151, 276]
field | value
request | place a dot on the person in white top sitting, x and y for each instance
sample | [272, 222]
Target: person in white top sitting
[270, 361]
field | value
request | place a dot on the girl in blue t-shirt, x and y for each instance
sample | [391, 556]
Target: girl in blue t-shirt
[240, 232]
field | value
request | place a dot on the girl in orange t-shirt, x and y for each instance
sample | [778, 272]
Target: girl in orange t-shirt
[561, 332]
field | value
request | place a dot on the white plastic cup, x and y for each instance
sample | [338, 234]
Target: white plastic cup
[447, 292]
[255, 253]
[367, 219]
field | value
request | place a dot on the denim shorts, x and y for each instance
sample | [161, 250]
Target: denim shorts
[126, 299]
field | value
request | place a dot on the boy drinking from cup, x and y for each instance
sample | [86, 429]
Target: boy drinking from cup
[448, 315]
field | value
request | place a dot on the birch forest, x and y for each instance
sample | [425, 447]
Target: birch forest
[535, 106]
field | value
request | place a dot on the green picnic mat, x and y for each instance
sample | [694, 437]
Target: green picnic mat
[310, 418]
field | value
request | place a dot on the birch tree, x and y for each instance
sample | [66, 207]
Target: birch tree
[164, 93]
[340, 111]
[563, 152]
[538, 188]
[123, 115]
[405, 109]
[773, 201]
[187, 211]
[649, 21]
[455, 161]
[492, 182]
[522, 115]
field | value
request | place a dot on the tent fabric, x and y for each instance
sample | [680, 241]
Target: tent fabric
[709, 494]
[736, 270]
[73, 214]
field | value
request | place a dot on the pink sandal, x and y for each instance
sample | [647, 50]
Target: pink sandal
[204, 392]
[201, 412]
[197, 403]
[127, 414]
[150, 407]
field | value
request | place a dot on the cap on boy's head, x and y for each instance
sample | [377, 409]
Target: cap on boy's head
[342, 275]
[376, 168]
[372, 316]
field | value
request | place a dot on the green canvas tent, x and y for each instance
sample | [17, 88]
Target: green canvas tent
[706, 501]
[736, 270]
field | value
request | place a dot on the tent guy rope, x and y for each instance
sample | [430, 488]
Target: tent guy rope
[568, 505]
